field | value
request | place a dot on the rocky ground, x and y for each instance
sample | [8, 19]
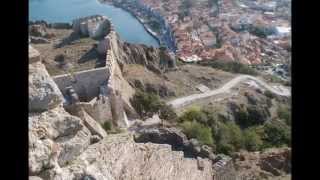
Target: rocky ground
[175, 83]
[271, 164]
[242, 95]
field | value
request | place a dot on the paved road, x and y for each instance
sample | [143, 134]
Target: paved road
[180, 102]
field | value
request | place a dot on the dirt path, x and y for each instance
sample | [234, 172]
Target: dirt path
[177, 103]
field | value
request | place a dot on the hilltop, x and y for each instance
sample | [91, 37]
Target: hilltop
[100, 108]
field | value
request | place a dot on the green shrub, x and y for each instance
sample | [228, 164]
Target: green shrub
[285, 114]
[229, 138]
[107, 126]
[196, 130]
[257, 114]
[194, 114]
[225, 148]
[269, 94]
[254, 115]
[242, 118]
[252, 140]
[276, 134]
[166, 112]
[147, 104]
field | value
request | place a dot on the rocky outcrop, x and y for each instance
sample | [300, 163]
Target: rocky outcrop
[157, 88]
[276, 161]
[140, 54]
[174, 137]
[273, 163]
[43, 92]
[119, 157]
[152, 58]
[63, 146]
[55, 136]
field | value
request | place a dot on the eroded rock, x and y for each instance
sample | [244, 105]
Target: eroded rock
[119, 157]
[43, 92]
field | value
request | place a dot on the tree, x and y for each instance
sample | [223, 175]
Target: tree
[229, 138]
[269, 94]
[277, 134]
[107, 126]
[252, 141]
[166, 112]
[147, 104]
[285, 114]
[192, 114]
[196, 130]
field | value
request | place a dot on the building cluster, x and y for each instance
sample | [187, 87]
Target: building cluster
[200, 34]
[220, 30]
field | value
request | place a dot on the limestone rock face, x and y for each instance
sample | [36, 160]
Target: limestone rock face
[93, 126]
[276, 160]
[175, 138]
[73, 146]
[56, 123]
[119, 157]
[43, 92]
[55, 136]
[39, 153]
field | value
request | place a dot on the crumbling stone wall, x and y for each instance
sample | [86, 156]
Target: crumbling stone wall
[95, 26]
[85, 83]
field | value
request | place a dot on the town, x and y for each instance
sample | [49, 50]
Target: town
[250, 32]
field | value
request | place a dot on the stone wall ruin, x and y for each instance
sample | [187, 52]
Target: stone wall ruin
[102, 91]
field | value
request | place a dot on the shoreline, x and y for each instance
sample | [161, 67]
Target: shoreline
[155, 35]
[149, 31]
[152, 33]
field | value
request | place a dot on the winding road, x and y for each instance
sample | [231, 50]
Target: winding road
[180, 102]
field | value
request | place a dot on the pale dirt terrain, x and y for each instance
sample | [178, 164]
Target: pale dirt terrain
[182, 81]
[225, 89]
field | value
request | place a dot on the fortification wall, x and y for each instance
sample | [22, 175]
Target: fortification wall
[119, 90]
[85, 83]
[95, 26]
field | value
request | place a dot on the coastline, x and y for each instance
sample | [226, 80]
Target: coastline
[149, 31]
[152, 33]
[156, 36]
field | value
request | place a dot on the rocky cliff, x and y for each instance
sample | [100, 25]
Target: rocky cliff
[154, 59]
